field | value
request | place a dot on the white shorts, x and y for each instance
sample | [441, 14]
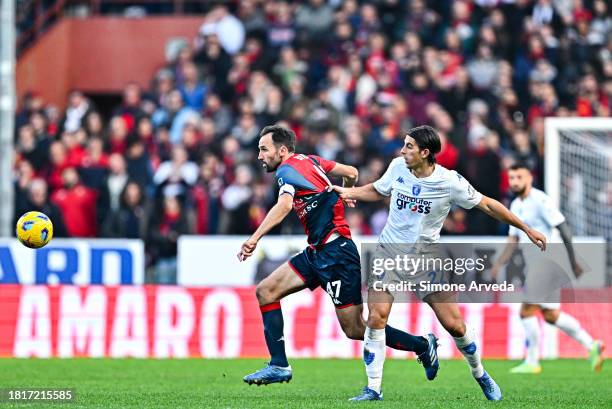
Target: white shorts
[543, 284]
[423, 273]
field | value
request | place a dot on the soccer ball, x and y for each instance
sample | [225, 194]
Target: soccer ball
[34, 229]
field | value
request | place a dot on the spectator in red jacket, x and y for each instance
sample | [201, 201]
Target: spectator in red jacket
[74, 151]
[130, 109]
[117, 138]
[590, 101]
[449, 154]
[77, 204]
[207, 193]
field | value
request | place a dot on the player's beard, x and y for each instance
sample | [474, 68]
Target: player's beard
[519, 192]
[272, 166]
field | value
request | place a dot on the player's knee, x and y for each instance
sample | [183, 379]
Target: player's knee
[377, 319]
[528, 311]
[264, 294]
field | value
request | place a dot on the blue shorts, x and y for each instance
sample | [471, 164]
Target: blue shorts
[335, 267]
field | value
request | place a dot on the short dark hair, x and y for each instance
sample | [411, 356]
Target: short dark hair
[519, 165]
[280, 136]
[426, 137]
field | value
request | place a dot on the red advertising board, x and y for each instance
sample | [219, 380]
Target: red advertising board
[170, 321]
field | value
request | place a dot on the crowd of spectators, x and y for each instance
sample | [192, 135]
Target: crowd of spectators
[348, 77]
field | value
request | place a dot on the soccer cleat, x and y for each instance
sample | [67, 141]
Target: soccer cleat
[367, 394]
[596, 355]
[429, 358]
[269, 374]
[526, 368]
[489, 387]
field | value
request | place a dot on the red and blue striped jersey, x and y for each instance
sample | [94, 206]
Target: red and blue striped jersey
[320, 212]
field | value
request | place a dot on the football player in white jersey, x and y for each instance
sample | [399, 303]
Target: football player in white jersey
[536, 209]
[422, 193]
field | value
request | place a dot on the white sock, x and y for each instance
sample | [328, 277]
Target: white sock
[572, 327]
[532, 336]
[467, 345]
[374, 351]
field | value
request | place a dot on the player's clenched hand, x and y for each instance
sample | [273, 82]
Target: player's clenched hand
[537, 238]
[342, 191]
[247, 249]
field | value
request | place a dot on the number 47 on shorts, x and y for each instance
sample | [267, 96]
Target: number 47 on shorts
[333, 289]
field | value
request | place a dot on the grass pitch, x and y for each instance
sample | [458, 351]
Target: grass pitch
[323, 383]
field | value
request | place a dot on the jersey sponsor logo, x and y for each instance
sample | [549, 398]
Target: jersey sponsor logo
[400, 180]
[416, 189]
[280, 181]
[303, 208]
[414, 204]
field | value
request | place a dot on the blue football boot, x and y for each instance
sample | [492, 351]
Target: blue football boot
[269, 374]
[489, 387]
[429, 358]
[367, 394]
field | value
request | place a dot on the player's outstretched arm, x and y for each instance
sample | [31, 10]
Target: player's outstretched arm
[365, 193]
[500, 212]
[276, 215]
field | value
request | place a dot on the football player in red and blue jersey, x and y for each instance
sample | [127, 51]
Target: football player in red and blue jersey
[331, 260]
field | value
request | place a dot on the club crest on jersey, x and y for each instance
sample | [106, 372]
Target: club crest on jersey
[416, 189]
[280, 181]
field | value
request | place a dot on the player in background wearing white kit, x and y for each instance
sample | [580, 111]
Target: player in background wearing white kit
[413, 174]
[535, 208]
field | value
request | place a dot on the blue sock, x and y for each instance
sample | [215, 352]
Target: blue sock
[404, 341]
[273, 330]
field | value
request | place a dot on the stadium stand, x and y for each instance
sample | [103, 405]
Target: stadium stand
[348, 77]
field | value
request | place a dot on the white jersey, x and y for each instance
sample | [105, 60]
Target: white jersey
[419, 205]
[536, 211]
